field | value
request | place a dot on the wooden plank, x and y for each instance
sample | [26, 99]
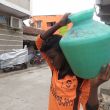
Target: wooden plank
[11, 37]
[4, 51]
[10, 42]
[10, 47]
[29, 37]
[11, 32]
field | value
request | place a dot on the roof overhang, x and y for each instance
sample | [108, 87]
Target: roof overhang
[14, 10]
[29, 37]
[32, 31]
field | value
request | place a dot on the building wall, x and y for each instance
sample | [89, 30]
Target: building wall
[10, 39]
[45, 19]
[22, 3]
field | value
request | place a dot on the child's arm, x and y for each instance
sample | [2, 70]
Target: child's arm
[64, 21]
[104, 76]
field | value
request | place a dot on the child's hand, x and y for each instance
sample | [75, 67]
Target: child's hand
[103, 76]
[64, 21]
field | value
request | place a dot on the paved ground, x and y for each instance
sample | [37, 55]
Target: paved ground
[25, 89]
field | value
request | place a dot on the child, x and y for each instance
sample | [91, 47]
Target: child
[67, 91]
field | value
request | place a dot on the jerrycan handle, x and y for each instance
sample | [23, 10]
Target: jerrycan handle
[81, 16]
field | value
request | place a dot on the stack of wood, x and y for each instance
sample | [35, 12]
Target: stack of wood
[104, 10]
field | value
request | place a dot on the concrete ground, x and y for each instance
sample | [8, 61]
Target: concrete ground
[25, 89]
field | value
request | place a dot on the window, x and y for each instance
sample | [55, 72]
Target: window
[3, 20]
[49, 24]
[39, 23]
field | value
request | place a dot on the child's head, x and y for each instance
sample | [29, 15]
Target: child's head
[52, 42]
[52, 48]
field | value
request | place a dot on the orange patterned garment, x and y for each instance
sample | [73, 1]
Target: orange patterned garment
[63, 91]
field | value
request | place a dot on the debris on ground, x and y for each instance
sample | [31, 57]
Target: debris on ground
[104, 99]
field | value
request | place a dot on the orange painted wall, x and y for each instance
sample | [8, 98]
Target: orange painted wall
[45, 19]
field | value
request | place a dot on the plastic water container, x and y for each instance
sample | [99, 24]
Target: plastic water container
[86, 45]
